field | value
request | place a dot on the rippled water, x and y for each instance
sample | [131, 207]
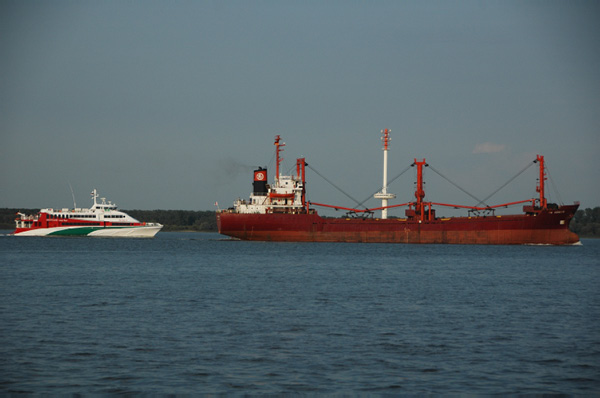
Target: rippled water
[193, 313]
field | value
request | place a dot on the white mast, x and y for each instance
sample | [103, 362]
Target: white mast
[278, 148]
[94, 196]
[384, 195]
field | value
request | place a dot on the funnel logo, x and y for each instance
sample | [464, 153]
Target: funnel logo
[260, 176]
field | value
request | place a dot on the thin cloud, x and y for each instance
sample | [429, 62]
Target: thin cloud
[488, 147]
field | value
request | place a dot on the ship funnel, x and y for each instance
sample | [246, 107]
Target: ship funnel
[260, 182]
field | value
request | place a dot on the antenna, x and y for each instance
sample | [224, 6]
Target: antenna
[73, 195]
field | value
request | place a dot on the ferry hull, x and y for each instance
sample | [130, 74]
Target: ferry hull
[546, 227]
[109, 232]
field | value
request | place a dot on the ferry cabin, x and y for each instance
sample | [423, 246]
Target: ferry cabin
[50, 218]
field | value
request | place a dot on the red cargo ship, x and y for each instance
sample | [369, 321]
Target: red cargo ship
[280, 212]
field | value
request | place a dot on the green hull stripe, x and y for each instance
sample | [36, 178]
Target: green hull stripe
[75, 231]
[80, 231]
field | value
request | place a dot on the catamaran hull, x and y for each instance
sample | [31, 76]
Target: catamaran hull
[109, 232]
[548, 227]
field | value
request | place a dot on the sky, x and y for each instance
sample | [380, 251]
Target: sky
[172, 104]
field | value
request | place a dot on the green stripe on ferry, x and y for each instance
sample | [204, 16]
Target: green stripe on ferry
[75, 231]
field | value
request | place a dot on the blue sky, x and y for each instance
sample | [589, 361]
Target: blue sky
[170, 105]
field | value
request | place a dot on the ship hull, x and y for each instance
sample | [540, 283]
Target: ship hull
[544, 227]
[109, 232]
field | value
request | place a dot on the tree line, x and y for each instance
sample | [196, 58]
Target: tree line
[178, 220]
[585, 223]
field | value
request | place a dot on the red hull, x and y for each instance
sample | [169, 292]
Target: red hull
[546, 227]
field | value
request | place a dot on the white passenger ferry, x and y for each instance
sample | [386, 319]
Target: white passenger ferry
[102, 219]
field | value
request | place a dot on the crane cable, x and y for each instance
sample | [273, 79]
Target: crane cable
[554, 187]
[335, 186]
[506, 183]
[358, 204]
[392, 180]
[457, 186]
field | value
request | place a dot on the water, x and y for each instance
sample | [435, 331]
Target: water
[193, 313]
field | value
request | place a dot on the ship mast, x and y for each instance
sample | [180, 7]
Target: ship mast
[301, 175]
[94, 196]
[420, 192]
[384, 195]
[540, 187]
[278, 149]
